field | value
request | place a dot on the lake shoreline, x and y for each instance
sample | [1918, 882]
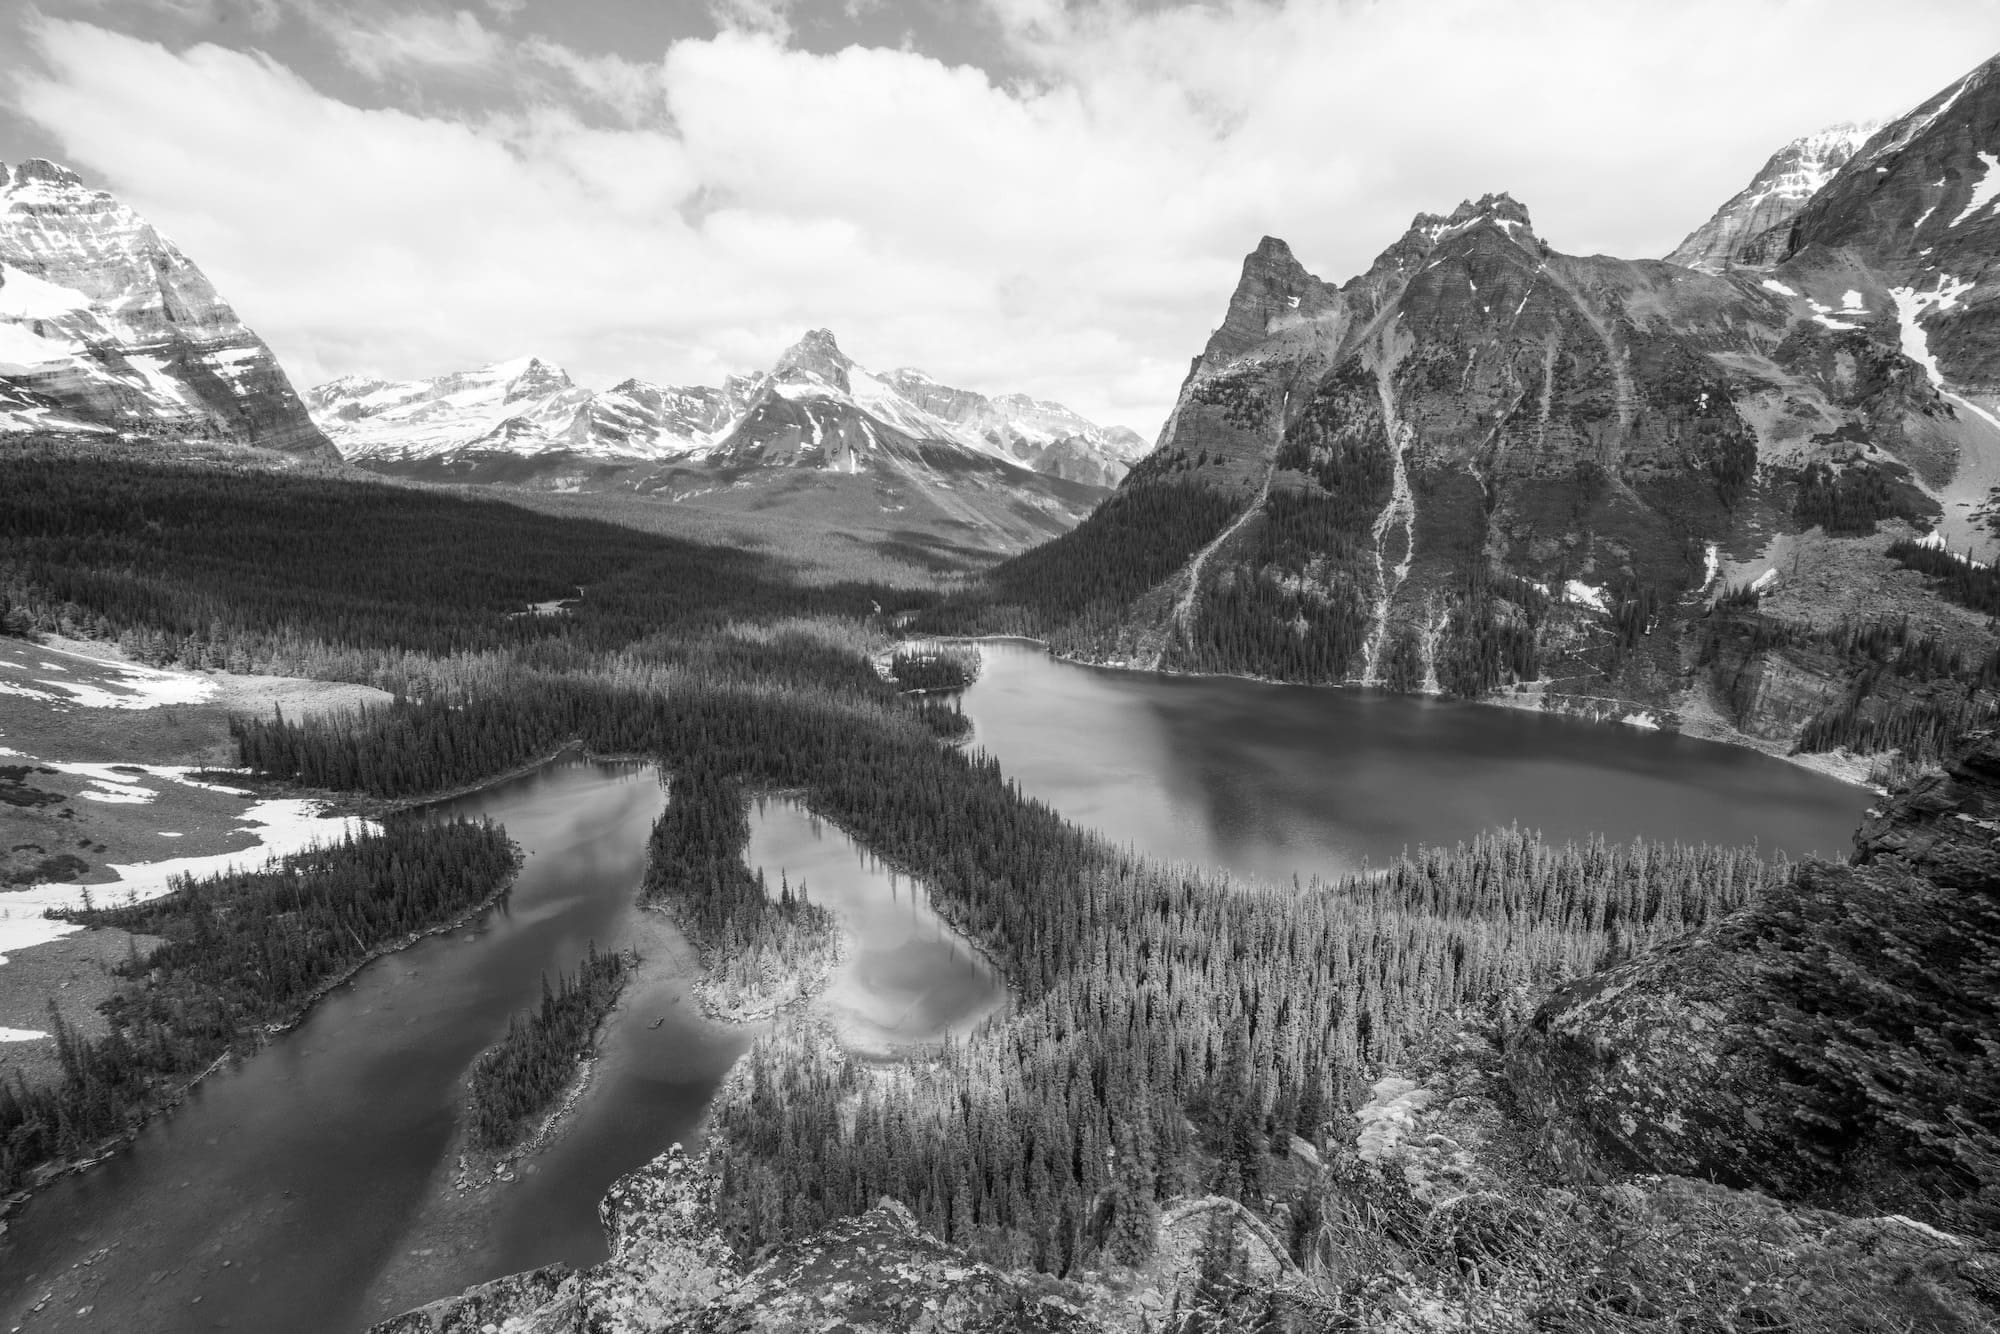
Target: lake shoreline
[112, 1147]
[1841, 766]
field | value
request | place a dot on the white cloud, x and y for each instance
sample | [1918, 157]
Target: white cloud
[1074, 235]
[412, 42]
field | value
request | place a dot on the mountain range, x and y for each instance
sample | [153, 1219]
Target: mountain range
[1484, 465]
[530, 410]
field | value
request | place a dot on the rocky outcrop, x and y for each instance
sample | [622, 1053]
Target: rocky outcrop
[1827, 1043]
[669, 1271]
[106, 328]
[1793, 175]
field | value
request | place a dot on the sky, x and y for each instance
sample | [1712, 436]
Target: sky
[1044, 196]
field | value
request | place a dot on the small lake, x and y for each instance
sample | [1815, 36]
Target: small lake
[309, 1189]
[908, 978]
[1273, 781]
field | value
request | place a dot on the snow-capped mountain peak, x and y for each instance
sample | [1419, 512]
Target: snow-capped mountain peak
[1775, 195]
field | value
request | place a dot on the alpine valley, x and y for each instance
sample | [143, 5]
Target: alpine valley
[837, 851]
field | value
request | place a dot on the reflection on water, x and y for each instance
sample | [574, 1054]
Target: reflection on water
[909, 978]
[1276, 781]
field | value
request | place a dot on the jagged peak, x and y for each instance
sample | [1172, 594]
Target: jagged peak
[40, 169]
[818, 357]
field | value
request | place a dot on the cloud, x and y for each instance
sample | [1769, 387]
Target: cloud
[1070, 226]
[412, 42]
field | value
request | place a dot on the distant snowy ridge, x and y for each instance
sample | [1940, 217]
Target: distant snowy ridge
[530, 409]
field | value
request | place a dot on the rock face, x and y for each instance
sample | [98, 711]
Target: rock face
[669, 1271]
[107, 328]
[1794, 174]
[1827, 1043]
[1484, 465]
[1918, 206]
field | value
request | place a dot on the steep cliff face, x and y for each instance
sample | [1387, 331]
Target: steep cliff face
[1827, 1043]
[1793, 175]
[106, 327]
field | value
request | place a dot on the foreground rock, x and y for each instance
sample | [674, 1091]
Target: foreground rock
[669, 1271]
[1830, 1043]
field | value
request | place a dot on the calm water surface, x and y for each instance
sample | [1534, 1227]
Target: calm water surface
[908, 979]
[1273, 781]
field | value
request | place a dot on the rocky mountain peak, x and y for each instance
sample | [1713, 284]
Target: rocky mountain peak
[1500, 207]
[1274, 288]
[41, 170]
[531, 377]
[815, 357]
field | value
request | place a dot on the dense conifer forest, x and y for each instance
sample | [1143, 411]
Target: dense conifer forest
[243, 953]
[526, 1070]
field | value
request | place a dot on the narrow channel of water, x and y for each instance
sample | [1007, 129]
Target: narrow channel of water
[311, 1189]
[296, 1191]
[1274, 781]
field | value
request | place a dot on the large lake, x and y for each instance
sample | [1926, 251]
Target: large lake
[1274, 781]
[309, 1189]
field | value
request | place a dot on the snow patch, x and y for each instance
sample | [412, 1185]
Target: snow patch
[1764, 581]
[1711, 559]
[1578, 593]
[282, 827]
[22, 350]
[1910, 307]
[19, 1034]
[1984, 191]
[23, 296]
[1772, 284]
